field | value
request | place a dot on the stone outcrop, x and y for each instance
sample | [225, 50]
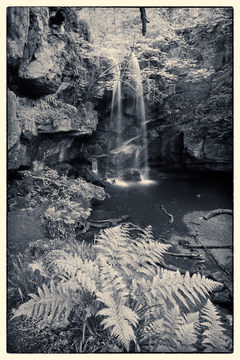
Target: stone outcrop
[207, 154]
[173, 148]
[166, 147]
[44, 46]
[17, 27]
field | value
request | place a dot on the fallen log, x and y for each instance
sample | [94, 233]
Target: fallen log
[103, 223]
[210, 247]
[193, 256]
[217, 212]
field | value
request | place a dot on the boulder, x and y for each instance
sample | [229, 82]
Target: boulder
[51, 150]
[132, 175]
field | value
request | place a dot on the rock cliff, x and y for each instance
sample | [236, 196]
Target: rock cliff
[44, 46]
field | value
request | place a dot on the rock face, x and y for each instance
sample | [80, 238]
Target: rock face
[17, 27]
[44, 46]
[172, 148]
[207, 154]
[166, 147]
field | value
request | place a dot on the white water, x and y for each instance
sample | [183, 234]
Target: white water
[125, 151]
[116, 112]
[141, 156]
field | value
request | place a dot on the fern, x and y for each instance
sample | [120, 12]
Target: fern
[185, 290]
[120, 317]
[214, 339]
[132, 299]
[51, 305]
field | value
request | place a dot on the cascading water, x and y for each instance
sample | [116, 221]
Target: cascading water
[127, 147]
[141, 155]
[116, 117]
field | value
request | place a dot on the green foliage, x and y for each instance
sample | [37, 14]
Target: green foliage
[88, 69]
[66, 202]
[120, 292]
[25, 278]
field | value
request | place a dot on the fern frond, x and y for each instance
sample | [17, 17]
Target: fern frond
[120, 317]
[186, 338]
[183, 288]
[192, 317]
[111, 282]
[67, 265]
[49, 305]
[112, 240]
[88, 275]
[214, 339]
[156, 327]
[148, 250]
[174, 332]
[128, 255]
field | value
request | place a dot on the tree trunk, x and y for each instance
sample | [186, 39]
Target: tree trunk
[144, 20]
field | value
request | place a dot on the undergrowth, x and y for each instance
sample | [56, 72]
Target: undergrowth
[122, 300]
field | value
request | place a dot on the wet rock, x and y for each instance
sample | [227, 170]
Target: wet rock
[90, 176]
[207, 154]
[17, 27]
[173, 147]
[65, 169]
[215, 235]
[132, 175]
[165, 147]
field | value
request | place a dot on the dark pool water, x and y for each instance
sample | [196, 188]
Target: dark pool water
[179, 194]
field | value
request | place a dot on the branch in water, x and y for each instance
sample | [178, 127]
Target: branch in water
[217, 212]
[167, 213]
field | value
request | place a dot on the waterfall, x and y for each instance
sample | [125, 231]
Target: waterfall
[116, 115]
[127, 147]
[141, 155]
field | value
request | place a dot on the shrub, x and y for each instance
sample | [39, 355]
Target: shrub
[65, 202]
